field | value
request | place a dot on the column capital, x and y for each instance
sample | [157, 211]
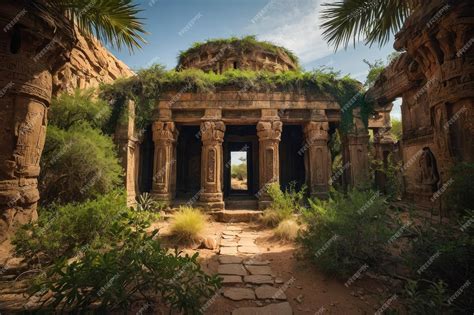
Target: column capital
[316, 130]
[165, 131]
[269, 130]
[212, 131]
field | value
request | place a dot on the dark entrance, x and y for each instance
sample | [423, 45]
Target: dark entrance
[292, 157]
[240, 161]
[188, 155]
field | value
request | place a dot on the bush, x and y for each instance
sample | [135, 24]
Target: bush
[146, 203]
[99, 254]
[287, 230]
[188, 223]
[70, 109]
[284, 204]
[77, 164]
[62, 229]
[344, 233]
[460, 196]
[449, 253]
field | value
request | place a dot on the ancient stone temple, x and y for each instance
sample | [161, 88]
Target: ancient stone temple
[284, 136]
[434, 78]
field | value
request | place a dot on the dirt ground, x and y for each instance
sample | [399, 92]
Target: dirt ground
[307, 290]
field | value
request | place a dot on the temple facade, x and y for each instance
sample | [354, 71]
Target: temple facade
[186, 155]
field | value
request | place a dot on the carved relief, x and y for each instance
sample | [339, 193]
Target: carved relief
[211, 166]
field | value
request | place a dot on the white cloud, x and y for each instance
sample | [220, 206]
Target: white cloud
[293, 24]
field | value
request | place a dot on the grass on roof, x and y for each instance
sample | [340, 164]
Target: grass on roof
[246, 42]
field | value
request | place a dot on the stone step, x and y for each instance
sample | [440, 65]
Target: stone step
[237, 215]
[236, 204]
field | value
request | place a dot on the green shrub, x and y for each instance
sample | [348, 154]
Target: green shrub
[131, 265]
[63, 229]
[346, 232]
[188, 223]
[284, 204]
[239, 171]
[77, 164]
[82, 106]
[443, 254]
[287, 230]
[146, 203]
[460, 195]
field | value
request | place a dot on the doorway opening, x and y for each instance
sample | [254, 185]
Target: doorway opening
[239, 170]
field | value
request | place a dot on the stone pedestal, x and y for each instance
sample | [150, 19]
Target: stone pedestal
[269, 136]
[317, 158]
[212, 136]
[165, 135]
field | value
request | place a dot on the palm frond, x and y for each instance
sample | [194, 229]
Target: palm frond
[114, 22]
[372, 20]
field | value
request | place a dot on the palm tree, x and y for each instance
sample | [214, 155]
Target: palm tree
[36, 39]
[374, 21]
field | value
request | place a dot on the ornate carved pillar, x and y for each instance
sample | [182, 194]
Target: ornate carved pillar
[355, 153]
[30, 50]
[212, 135]
[317, 158]
[165, 135]
[269, 136]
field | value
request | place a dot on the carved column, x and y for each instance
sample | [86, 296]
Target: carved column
[317, 158]
[212, 135]
[355, 153]
[269, 136]
[30, 50]
[165, 135]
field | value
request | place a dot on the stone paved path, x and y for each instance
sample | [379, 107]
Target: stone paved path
[246, 276]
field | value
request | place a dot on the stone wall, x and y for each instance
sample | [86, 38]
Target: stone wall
[435, 79]
[90, 64]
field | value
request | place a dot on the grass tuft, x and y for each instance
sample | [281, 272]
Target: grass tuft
[287, 230]
[187, 224]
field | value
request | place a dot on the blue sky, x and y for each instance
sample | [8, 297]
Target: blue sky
[175, 24]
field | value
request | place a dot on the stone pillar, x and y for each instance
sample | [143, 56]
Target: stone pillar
[165, 135]
[355, 153]
[317, 158]
[128, 147]
[269, 136]
[212, 135]
[383, 144]
[30, 50]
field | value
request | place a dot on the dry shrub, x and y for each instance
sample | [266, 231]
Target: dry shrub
[287, 230]
[188, 223]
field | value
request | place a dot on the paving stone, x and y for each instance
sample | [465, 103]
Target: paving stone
[246, 242]
[228, 243]
[234, 228]
[238, 294]
[272, 309]
[229, 233]
[228, 237]
[255, 262]
[258, 279]
[227, 259]
[231, 269]
[259, 270]
[228, 250]
[231, 279]
[268, 292]
[249, 249]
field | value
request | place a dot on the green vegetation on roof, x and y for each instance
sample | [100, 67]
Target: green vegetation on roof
[149, 84]
[247, 42]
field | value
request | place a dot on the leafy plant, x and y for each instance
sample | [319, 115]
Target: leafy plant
[284, 204]
[133, 265]
[346, 232]
[146, 203]
[460, 195]
[62, 230]
[188, 223]
[426, 298]
[77, 164]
